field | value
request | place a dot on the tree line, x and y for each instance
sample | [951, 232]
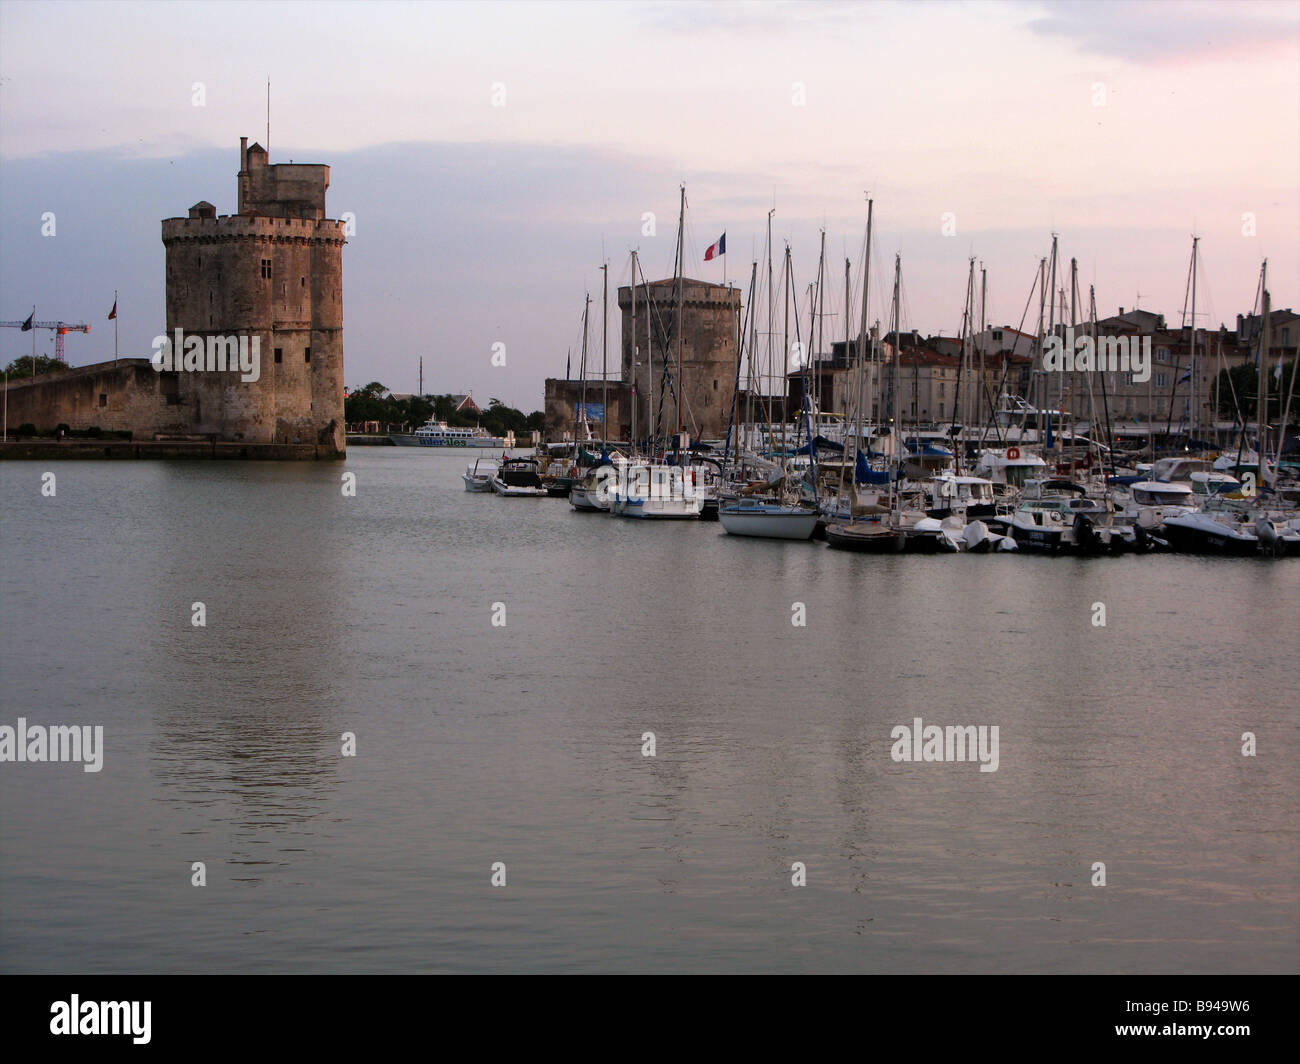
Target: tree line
[374, 402]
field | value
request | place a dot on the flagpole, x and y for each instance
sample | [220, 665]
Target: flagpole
[114, 326]
[33, 341]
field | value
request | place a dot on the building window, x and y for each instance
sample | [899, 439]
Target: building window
[997, 334]
[1162, 354]
[266, 268]
[306, 354]
[715, 385]
[1162, 380]
[304, 282]
[279, 355]
[103, 399]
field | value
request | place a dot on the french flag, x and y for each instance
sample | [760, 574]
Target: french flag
[720, 248]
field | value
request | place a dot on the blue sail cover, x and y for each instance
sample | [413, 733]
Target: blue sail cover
[864, 474]
[820, 443]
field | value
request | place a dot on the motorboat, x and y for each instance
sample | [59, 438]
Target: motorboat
[478, 477]
[518, 478]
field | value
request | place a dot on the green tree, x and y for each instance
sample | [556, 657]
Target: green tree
[1242, 382]
[22, 367]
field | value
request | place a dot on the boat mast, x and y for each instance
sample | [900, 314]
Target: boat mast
[896, 407]
[632, 442]
[1051, 328]
[787, 294]
[604, 354]
[582, 392]
[771, 381]
[1074, 321]
[1194, 415]
[862, 350]
[821, 320]
[1261, 404]
[979, 396]
[681, 237]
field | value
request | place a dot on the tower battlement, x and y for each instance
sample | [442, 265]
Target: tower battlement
[237, 225]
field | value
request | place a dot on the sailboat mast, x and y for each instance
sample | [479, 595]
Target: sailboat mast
[862, 353]
[1194, 417]
[604, 354]
[1261, 405]
[896, 405]
[1074, 320]
[770, 365]
[586, 307]
[1051, 328]
[787, 294]
[632, 367]
[821, 319]
[983, 334]
[681, 265]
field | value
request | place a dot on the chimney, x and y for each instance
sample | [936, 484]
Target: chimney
[1121, 312]
[243, 153]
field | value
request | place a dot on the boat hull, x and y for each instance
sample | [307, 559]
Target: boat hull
[581, 500]
[658, 509]
[866, 539]
[784, 524]
[1191, 534]
[407, 440]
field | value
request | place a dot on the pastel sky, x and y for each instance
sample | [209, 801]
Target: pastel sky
[1124, 127]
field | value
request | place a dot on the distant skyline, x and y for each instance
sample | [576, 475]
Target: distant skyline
[492, 153]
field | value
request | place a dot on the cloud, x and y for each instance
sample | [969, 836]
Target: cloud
[1165, 33]
[750, 16]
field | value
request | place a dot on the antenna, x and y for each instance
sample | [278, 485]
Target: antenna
[268, 117]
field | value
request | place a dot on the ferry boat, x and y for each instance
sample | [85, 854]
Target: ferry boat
[436, 433]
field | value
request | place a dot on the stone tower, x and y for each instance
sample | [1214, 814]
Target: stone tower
[710, 321]
[273, 271]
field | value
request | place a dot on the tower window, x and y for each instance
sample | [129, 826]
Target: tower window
[715, 386]
[306, 354]
[279, 355]
[304, 282]
[103, 399]
[266, 268]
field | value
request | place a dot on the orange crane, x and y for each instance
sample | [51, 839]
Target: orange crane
[61, 329]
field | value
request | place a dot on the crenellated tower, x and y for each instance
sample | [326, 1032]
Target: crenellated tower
[274, 270]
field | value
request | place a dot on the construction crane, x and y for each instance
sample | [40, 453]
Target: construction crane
[61, 329]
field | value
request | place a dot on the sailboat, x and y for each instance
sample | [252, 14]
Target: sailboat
[872, 526]
[659, 489]
[780, 517]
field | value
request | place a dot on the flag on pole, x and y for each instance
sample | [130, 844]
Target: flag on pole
[27, 325]
[1185, 377]
[720, 248]
[113, 313]
[1277, 371]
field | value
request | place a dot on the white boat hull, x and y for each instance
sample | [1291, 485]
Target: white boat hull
[762, 524]
[658, 509]
[509, 491]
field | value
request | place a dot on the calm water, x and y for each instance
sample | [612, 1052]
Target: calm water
[522, 744]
